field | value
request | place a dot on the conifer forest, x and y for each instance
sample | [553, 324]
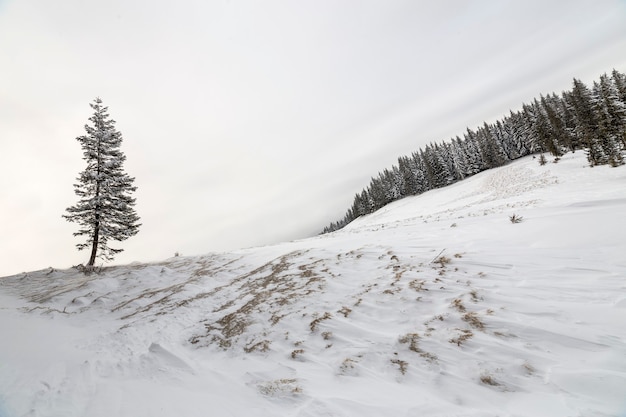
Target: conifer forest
[592, 119]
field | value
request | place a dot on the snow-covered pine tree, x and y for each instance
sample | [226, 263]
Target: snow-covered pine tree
[459, 157]
[619, 80]
[475, 162]
[567, 121]
[491, 150]
[105, 210]
[611, 120]
[582, 102]
[557, 135]
[409, 181]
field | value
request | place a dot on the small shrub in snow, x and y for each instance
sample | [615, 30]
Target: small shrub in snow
[313, 325]
[615, 162]
[462, 337]
[88, 270]
[402, 365]
[411, 339]
[472, 319]
[528, 368]
[345, 311]
[418, 285]
[347, 366]
[262, 346]
[489, 380]
[296, 353]
[280, 387]
[542, 160]
[458, 304]
[443, 261]
[514, 218]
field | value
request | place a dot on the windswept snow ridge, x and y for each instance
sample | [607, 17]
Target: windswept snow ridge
[436, 305]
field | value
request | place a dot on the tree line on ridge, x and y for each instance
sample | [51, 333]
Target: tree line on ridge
[593, 119]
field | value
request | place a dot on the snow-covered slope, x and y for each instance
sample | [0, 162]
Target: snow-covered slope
[436, 305]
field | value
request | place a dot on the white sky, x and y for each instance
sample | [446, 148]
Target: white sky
[247, 122]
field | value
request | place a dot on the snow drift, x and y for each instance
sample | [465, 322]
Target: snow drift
[436, 305]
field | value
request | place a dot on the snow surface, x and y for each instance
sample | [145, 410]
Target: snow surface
[436, 305]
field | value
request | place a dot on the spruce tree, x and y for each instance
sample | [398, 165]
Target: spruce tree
[619, 80]
[582, 103]
[557, 135]
[475, 160]
[611, 120]
[105, 210]
[459, 157]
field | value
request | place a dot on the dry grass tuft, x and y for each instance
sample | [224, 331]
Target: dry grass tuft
[313, 325]
[411, 339]
[463, 336]
[529, 368]
[280, 387]
[402, 365]
[347, 366]
[273, 284]
[296, 353]
[489, 380]
[262, 346]
[345, 311]
[443, 261]
[418, 285]
[472, 319]
[458, 304]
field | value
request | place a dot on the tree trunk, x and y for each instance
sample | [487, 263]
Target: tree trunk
[96, 229]
[94, 246]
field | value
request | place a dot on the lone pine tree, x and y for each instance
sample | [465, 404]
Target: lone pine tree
[105, 210]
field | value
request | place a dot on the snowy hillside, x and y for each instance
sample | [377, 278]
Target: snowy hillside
[436, 305]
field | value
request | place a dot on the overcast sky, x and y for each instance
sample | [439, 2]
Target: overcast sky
[252, 122]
